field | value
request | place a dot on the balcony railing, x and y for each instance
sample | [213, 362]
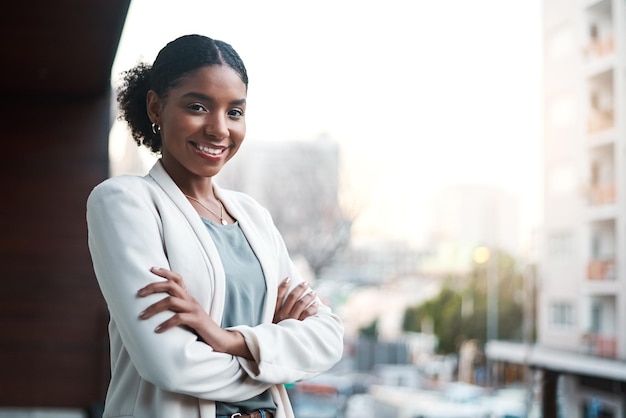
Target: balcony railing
[601, 269]
[600, 120]
[599, 47]
[602, 194]
[600, 345]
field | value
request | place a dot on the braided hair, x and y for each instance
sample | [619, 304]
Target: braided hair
[178, 58]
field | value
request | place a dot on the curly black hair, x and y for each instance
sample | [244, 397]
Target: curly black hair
[174, 61]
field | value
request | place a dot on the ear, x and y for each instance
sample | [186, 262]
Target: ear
[153, 103]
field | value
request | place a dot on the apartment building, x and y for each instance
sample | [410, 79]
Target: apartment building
[579, 356]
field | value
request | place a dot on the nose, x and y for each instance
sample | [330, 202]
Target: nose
[216, 125]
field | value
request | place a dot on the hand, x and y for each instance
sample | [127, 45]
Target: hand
[188, 312]
[299, 304]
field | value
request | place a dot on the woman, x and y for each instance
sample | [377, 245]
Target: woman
[208, 316]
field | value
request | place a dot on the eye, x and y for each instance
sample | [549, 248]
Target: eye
[197, 107]
[235, 113]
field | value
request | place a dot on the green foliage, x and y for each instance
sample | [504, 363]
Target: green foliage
[370, 331]
[459, 311]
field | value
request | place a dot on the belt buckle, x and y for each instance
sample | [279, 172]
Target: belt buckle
[236, 414]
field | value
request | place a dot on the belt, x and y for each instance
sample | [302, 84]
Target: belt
[261, 413]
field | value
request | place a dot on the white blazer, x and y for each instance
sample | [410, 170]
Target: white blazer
[136, 223]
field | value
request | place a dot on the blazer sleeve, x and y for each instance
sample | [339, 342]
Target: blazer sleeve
[125, 241]
[292, 350]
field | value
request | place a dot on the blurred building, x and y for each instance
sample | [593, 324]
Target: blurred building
[580, 350]
[375, 262]
[262, 166]
[464, 217]
[476, 215]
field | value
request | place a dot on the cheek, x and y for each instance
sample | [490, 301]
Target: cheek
[187, 124]
[181, 124]
[237, 134]
[237, 137]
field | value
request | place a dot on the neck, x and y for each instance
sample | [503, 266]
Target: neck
[189, 183]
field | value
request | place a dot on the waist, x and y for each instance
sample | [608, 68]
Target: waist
[261, 413]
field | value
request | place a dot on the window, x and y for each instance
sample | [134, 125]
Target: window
[561, 315]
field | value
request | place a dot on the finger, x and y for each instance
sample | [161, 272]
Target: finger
[297, 309]
[166, 304]
[176, 320]
[170, 276]
[162, 287]
[156, 287]
[282, 291]
[311, 310]
[301, 304]
[294, 296]
[173, 284]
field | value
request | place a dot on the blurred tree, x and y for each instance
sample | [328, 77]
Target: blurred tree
[459, 312]
[370, 331]
[305, 206]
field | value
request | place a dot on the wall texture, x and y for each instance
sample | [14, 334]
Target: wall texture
[53, 342]
[55, 116]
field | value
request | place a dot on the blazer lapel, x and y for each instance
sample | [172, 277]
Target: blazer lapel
[212, 259]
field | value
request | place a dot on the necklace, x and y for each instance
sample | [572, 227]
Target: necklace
[221, 215]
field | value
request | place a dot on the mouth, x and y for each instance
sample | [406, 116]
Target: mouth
[209, 150]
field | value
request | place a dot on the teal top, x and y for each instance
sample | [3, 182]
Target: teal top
[245, 295]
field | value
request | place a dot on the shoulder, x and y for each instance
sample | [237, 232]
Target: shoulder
[111, 189]
[135, 184]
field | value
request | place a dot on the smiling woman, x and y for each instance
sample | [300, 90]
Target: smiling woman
[209, 316]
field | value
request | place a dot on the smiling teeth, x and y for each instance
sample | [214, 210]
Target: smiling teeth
[212, 151]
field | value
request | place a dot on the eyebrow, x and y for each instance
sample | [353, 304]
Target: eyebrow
[206, 98]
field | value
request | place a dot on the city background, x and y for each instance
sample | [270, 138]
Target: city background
[449, 176]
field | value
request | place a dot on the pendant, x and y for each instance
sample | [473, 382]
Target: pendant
[224, 221]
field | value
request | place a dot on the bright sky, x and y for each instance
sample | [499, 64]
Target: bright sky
[419, 94]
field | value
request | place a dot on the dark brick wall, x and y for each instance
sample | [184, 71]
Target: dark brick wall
[53, 341]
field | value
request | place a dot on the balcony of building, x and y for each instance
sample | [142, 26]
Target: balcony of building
[600, 323]
[601, 269]
[602, 165]
[602, 194]
[599, 345]
[601, 105]
[602, 138]
[602, 263]
[599, 39]
[602, 189]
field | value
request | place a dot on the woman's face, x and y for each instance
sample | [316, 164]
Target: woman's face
[202, 121]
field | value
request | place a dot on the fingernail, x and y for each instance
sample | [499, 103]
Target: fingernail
[158, 329]
[141, 315]
[287, 279]
[140, 292]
